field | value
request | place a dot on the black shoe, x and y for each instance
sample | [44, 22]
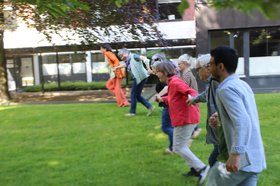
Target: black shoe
[192, 172]
[202, 175]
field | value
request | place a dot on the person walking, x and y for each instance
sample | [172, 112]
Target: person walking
[239, 118]
[115, 80]
[185, 63]
[184, 117]
[162, 90]
[134, 64]
[208, 96]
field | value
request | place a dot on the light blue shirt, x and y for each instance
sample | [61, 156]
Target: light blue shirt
[239, 117]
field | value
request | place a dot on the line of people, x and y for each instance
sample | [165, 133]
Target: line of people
[232, 124]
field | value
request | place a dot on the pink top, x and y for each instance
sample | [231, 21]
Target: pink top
[180, 112]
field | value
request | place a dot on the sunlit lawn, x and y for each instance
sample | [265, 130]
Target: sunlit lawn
[95, 144]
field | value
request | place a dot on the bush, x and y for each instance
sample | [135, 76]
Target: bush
[67, 86]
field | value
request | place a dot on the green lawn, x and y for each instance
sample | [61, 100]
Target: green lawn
[95, 144]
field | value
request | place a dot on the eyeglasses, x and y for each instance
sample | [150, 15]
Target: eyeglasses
[211, 63]
[197, 69]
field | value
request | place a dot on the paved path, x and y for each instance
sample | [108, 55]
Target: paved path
[62, 97]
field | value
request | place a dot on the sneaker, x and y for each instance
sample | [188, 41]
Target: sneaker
[151, 110]
[196, 133]
[130, 114]
[168, 151]
[192, 172]
[202, 175]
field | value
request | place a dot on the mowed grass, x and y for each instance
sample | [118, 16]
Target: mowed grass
[95, 144]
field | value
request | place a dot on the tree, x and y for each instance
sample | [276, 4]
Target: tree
[87, 19]
[269, 8]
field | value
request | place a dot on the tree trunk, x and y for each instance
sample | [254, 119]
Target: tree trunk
[4, 92]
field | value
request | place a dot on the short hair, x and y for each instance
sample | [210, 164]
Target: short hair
[158, 57]
[187, 59]
[167, 68]
[106, 46]
[122, 52]
[226, 55]
[203, 60]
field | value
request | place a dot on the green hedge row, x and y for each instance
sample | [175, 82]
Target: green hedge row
[67, 86]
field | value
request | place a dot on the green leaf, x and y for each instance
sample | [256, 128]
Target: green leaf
[183, 6]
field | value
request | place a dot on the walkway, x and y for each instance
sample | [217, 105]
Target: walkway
[62, 97]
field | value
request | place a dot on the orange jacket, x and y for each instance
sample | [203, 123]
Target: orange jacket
[113, 62]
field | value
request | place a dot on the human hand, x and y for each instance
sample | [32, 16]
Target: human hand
[233, 162]
[213, 120]
[158, 99]
[190, 100]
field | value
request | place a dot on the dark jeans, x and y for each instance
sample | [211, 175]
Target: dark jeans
[166, 126]
[213, 156]
[135, 96]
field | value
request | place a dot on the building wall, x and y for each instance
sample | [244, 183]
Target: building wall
[209, 19]
[254, 67]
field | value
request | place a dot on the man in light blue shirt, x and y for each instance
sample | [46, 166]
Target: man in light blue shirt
[239, 117]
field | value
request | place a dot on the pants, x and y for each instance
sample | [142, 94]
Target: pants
[182, 135]
[213, 156]
[218, 176]
[135, 96]
[166, 126]
[114, 85]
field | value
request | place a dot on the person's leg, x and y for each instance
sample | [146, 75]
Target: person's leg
[181, 136]
[120, 97]
[252, 180]
[213, 156]
[133, 97]
[218, 176]
[140, 98]
[167, 127]
[110, 85]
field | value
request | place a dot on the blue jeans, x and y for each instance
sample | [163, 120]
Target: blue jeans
[213, 156]
[166, 125]
[135, 95]
[218, 176]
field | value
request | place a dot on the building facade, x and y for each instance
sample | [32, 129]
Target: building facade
[256, 39]
[33, 60]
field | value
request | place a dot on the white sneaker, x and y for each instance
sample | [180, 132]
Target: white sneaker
[168, 151]
[203, 174]
[151, 110]
[130, 114]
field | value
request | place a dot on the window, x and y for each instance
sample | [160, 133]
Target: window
[264, 51]
[265, 42]
[219, 38]
[168, 9]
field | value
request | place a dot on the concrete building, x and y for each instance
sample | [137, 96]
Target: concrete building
[256, 39]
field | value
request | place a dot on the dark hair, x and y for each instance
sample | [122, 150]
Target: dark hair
[227, 56]
[106, 46]
[167, 68]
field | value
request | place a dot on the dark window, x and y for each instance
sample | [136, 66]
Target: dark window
[265, 42]
[97, 57]
[48, 59]
[78, 58]
[219, 38]
[169, 11]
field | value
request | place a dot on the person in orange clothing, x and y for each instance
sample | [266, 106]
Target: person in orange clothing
[115, 80]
